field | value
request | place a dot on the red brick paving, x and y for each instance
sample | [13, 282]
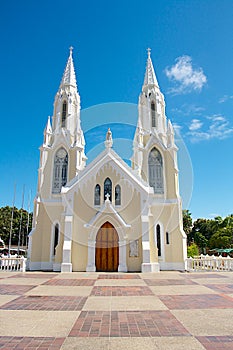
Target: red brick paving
[119, 323]
[120, 291]
[202, 275]
[127, 324]
[198, 301]
[123, 277]
[216, 343]
[168, 282]
[221, 288]
[70, 282]
[8, 343]
[49, 303]
[12, 289]
[34, 275]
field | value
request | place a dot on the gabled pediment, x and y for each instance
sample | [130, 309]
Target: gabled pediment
[153, 141]
[107, 210]
[108, 158]
[62, 139]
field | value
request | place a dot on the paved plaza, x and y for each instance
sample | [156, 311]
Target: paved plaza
[101, 311]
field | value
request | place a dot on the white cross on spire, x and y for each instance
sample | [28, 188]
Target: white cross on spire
[107, 197]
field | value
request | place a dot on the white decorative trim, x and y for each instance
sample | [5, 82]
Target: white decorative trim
[92, 241]
[57, 267]
[144, 218]
[68, 218]
[146, 245]
[122, 268]
[34, 266]
[91, 256]
[66, 267]
[43, 265]
[107, 210]
[106, 157]
[172, 266]
[150, 267]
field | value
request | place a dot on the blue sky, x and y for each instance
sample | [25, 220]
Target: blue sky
[192, 53]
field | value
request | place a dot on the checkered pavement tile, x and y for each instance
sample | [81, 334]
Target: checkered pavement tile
[55, 303]
[34, 275]
[168, 282]
[221, 288]
[116, 276]
[40, 343]
[202, 275]
[70, 282]
[123, 322]
[216, 343]
[9, 289]
[127, 324]
[120, 291]
[197, 301]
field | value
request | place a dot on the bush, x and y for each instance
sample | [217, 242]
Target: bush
[192, 250]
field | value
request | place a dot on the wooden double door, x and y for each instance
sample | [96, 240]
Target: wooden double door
[107, 249]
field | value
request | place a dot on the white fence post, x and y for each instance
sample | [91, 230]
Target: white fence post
[13, 264]
[23, 264]
[209, 263]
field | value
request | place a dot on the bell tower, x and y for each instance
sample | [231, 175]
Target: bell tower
[62, 154]
[154, 135]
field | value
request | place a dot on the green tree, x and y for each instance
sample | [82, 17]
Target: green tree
[221, 239]
[192, 250]
[187, 221]
[5, 224]
[201, 241]
[205, 227]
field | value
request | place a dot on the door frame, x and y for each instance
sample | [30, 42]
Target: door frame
[112, 253]
[122, 267]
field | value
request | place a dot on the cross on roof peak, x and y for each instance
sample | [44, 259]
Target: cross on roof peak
[107, 196]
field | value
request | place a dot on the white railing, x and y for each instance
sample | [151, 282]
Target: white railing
[209, 263]
[13, 264]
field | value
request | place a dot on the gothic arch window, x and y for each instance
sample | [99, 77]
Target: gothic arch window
[153, 117]
[158, 239]
[97, 195]
[155, 168]
[64, 113]
[118, 195]
[55, 238]
[108, 188]
[60, 170]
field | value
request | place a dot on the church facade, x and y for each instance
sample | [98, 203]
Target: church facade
[107, 216]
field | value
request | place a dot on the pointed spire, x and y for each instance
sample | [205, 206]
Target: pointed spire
[69, 77]
[170, 129]
[150, 77]
[48, 128]
[48, 133]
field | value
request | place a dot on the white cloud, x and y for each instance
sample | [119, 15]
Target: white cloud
[177, 128]
[185, 76]
[187, 109]
[195, 125]
[225, 98]
[217, 118]
[219, 128]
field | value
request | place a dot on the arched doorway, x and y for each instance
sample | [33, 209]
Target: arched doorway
[107, 248]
